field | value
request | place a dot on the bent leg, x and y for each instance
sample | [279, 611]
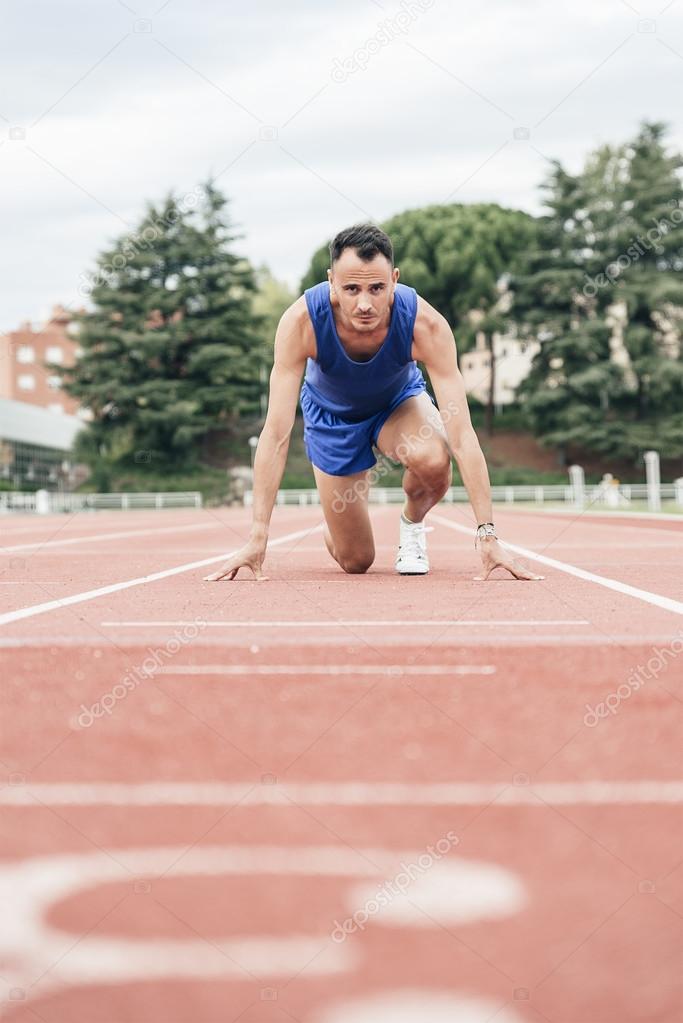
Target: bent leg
[348, 535]
[414, 435]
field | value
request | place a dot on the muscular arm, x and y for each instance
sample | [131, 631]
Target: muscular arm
[433, 344]
[292, 347]
[290, 353]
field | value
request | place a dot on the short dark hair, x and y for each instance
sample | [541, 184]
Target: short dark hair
[368, 241]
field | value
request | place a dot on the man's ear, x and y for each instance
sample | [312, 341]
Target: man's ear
[396, 274]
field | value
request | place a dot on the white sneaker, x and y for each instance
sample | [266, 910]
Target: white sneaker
[412, 549]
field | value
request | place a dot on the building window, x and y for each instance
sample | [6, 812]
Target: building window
[25, 353]
[26, 381]
[54, 383]
[54, 353]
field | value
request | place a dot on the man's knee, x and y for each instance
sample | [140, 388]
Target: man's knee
[356, 563]
[431, 462]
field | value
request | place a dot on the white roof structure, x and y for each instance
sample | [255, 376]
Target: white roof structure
[31, 424]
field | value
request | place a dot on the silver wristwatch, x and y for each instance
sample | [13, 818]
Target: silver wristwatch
[486, 529]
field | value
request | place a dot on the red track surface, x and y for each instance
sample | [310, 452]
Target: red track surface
[179, 848]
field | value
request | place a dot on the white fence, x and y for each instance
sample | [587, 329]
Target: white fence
[596, 495]
[47, 501]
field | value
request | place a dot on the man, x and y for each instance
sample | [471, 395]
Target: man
[358, 336]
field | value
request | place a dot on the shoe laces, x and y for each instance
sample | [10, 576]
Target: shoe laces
[414, 539]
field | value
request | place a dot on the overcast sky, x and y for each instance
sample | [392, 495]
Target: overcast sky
[312, 115]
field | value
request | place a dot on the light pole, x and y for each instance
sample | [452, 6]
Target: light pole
[253, 441]
[654, 500]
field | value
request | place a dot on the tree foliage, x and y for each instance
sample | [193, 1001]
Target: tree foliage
[171, 348]
[601, 291]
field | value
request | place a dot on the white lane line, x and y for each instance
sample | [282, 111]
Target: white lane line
[108, 536]
[407, 1004]
[629, 517]
[354, 793]
[326, 669]
[79, 598]
[667, 603]
[484, 639]
[355, 623]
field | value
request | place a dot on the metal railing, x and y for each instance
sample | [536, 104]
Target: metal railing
[597, 495]
[47, 502]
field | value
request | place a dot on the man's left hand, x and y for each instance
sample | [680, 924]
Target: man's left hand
[493, 556]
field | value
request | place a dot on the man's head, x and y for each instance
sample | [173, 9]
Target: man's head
[362, 276]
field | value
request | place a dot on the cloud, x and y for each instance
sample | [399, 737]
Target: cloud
[122, 105]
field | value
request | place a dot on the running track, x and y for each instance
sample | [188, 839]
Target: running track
[204, 781]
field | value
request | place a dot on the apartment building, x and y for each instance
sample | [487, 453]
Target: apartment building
[513, 362]
[24, 353]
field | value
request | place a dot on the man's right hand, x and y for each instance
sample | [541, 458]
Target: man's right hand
[250, 556]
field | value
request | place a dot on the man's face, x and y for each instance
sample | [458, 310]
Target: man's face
[364, 290]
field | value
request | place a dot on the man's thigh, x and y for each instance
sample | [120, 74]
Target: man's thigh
[344, 500]
[412, 429]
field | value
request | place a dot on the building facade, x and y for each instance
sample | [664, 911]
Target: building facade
[35, 447]
[24, 354]
[513, 361]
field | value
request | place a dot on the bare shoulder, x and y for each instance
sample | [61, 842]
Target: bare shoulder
[431, 329]
[295, 334]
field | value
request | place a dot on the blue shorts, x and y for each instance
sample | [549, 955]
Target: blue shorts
[340, 447]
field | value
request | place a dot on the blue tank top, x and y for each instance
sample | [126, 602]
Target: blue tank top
[356, 390]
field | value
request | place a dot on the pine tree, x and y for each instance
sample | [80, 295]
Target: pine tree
[571, 380]
[645, 271]
[171, 349]
[607, 378]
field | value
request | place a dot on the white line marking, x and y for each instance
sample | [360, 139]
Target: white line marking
[30, 888]
[78, 598]
[667, 603]
[326, 669]
[624, 516]
[486, 640]
[455, 890]
[354, 793]
[428, 1005]
[355, 623]
[108, 536]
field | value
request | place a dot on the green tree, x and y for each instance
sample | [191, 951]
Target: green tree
[171, 348]
[604, 303]
[646, 276]
[566, 392]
